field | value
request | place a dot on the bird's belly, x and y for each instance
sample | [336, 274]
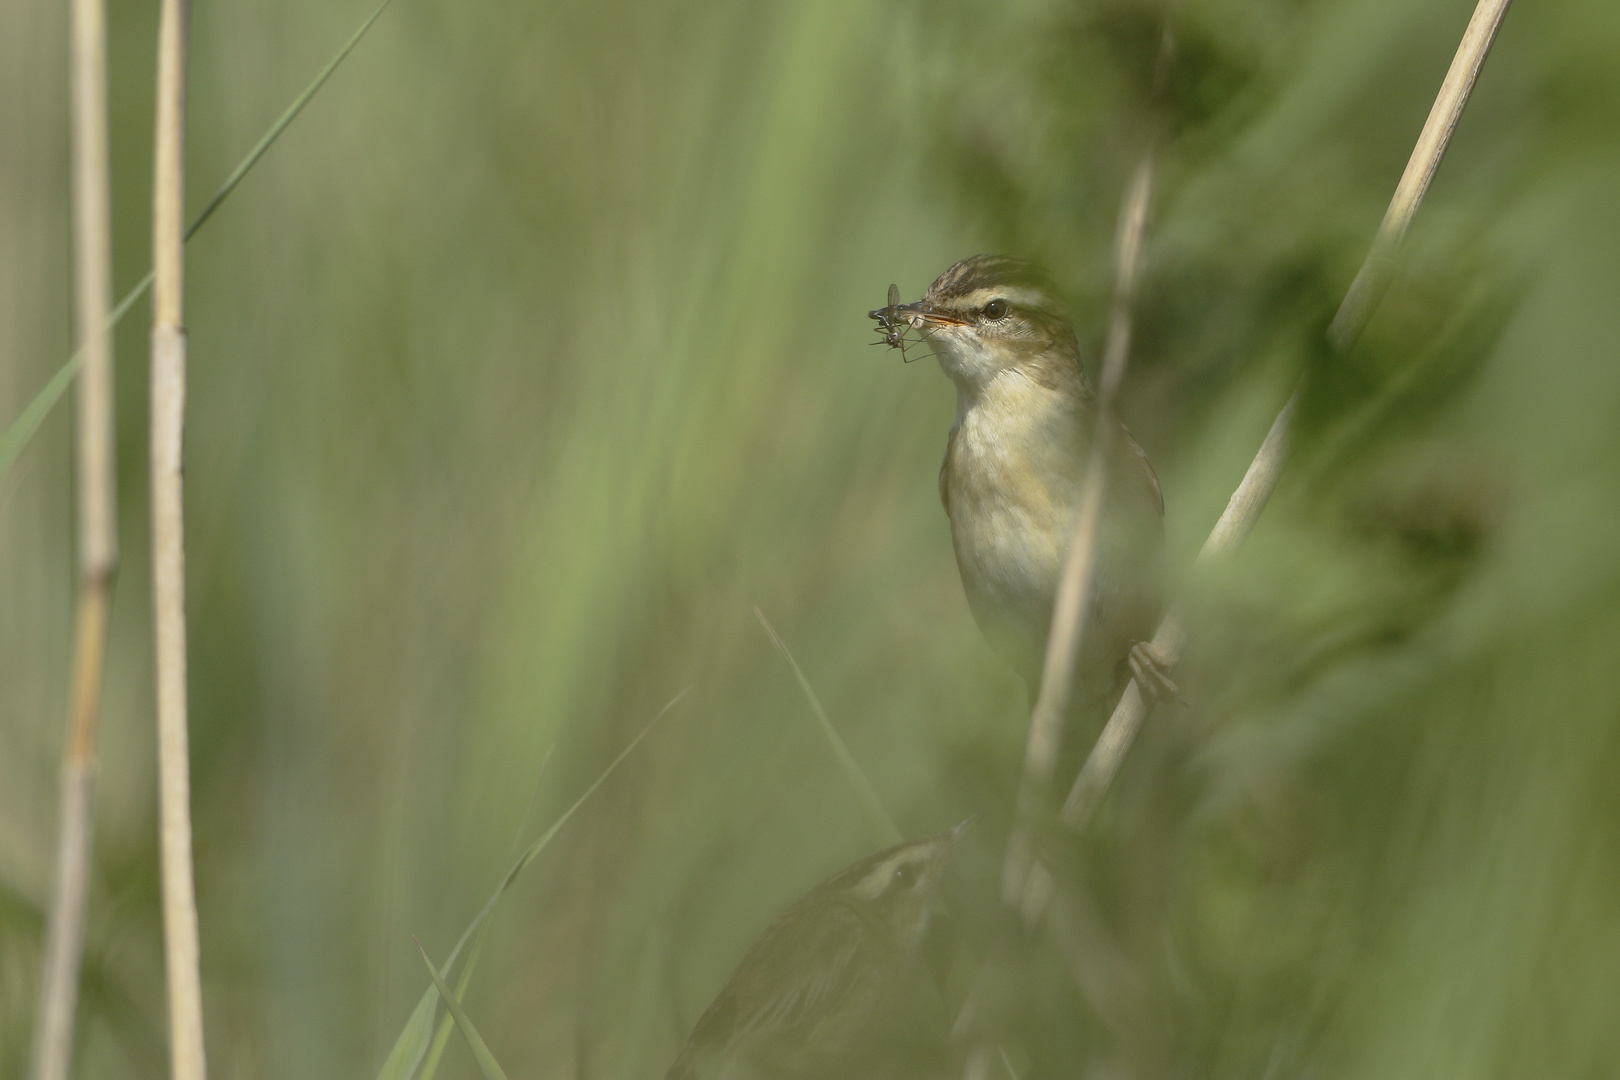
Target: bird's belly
[1008, 555]
[1010, 542]
[1012, 536]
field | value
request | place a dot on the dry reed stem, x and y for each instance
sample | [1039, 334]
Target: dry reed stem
[1352, 317]
[1375, 273]
[1241, 512]
[97, 543]
[1074, 589]
[168, 547]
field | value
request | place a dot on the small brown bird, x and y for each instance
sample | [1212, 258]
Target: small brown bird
[833, 988]
[1012, 475]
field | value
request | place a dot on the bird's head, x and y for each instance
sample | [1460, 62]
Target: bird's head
[896, 886]
[990, 314]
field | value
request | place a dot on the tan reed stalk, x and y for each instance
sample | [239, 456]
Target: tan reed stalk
[97, 482]
[1074, 589]
[1359, 303]
[168, 546]
[1376, 271]
[1025, 884]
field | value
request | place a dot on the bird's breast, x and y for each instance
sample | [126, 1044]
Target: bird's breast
[1011, 484]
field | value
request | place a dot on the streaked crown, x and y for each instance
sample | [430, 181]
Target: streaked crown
[979, 279]
[989, 314]
[896, 885]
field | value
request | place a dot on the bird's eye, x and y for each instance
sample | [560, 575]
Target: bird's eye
[995, 309]
[905, 874]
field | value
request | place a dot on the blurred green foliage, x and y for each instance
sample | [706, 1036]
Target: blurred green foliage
[535, 356]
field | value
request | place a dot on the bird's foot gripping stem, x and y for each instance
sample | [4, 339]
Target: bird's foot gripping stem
[1151, 670]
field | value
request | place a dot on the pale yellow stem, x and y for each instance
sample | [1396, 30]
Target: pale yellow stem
[97, 544]
[181, 950]
[1074, 588]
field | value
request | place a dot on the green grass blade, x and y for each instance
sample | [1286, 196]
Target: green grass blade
[539, 845]
[281, 124]
[878, 820]
[486, 1061]
[442, 1036]
[22, 429]
[412, 1043]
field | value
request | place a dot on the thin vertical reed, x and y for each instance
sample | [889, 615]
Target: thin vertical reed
[1352, 317]
[168, 546]
[1074, 589]
[1025, 884]
[97, 543]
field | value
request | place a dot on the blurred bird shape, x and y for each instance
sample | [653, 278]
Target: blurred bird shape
[833, 988]
[1012, 474]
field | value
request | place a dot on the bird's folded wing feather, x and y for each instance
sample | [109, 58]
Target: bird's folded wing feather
[800, 972]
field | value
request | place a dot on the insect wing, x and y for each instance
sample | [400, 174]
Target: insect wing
[891, 331]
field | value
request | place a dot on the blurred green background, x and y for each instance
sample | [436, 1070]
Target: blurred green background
[535, 356]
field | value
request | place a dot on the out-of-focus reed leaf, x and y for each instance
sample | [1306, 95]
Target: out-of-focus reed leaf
[22, 429]
[486, 1061]
[442, 1036]
[412, 1043]
[413, 1040]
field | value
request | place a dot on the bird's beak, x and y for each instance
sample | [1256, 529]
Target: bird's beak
[918, 315]
[923, 315]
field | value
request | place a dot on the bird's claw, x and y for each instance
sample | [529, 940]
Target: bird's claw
[1151, 670]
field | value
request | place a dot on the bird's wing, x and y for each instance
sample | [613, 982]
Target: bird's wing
[799, 972]
[1138, 466]
[804, 971]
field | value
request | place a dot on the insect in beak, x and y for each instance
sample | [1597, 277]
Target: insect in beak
[895, 318]
[891, 325]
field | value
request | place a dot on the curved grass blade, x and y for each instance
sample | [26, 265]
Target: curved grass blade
[883, 828]
[486, 1061]
[22, 429]
[442, 1036]
[413, 1040]
[412, 1044]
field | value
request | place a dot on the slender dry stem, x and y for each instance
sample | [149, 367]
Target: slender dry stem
[1359, 303]
[97, 543]
[168, 547]
[1241, 512]
[1374, 276]
[1074, 589]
